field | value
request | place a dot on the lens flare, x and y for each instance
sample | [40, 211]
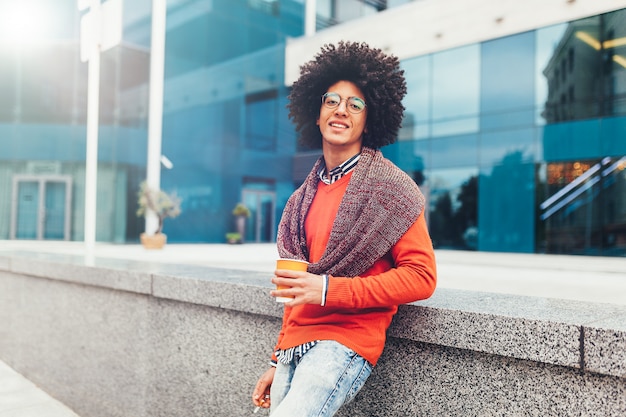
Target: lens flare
[22, 22]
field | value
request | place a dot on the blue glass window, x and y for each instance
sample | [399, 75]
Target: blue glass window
[261, 121]
[456, 91]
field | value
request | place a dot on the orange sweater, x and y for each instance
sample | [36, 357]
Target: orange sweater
[358, 310]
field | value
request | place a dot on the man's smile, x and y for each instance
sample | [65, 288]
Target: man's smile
[338, 125]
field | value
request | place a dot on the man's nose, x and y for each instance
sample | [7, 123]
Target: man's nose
[342, 107]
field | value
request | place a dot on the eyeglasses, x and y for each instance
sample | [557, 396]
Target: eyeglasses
[354, 105]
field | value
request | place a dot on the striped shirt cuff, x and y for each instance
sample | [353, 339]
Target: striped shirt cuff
[324, 289]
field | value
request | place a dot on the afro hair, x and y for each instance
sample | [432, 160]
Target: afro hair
[376, 74]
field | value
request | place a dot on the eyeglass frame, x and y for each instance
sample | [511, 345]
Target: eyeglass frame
[347, 100]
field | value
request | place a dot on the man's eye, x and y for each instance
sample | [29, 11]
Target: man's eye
[357, 104]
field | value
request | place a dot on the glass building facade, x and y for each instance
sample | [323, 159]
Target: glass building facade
[518, 142]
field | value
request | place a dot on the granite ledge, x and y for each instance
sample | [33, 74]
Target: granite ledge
[530, 328]
[605, 346]
[544, 330]
[113, 274]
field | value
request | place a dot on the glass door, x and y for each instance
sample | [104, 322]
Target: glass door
[41, 207]
[27, 212]
[261, 225]
[55, 208]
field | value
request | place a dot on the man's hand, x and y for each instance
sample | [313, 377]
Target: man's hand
[306, 288]
[261, 394]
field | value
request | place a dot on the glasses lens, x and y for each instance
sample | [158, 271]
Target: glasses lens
[355, 104]
[331, 99]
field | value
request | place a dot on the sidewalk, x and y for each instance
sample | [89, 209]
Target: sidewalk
[593, 279]
[21, 398]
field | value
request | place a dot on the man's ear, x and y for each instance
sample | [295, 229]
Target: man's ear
[317, 121]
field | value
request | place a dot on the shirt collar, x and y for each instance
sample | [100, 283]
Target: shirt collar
[339, 171]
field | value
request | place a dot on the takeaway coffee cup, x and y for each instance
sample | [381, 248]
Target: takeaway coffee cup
[292, 265]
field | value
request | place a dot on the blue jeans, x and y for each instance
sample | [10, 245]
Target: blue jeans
[318, 384]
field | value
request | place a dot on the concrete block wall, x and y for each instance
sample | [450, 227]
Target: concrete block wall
[113, 338]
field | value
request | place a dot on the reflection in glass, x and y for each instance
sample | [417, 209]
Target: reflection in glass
[506, 205]
[546, 40]
[583, 210]
[452, 201]
[586, 70]
[496, 145]
[582, 182]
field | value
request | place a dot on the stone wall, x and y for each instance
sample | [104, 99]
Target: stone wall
[113, 338]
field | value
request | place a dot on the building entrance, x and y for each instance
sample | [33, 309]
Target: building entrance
[261, 225]
[41, 207]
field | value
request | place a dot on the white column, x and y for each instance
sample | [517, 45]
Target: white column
[93, 108]
[17, 107]
[155, 109]
[310, 11]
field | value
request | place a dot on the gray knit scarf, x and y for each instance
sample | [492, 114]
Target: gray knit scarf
[380, 204]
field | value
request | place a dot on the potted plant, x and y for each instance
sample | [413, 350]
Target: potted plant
[241, 210]
[233, 238]
[241, 213]
[163, 205]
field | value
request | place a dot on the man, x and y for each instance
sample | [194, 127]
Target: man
[359, 222]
